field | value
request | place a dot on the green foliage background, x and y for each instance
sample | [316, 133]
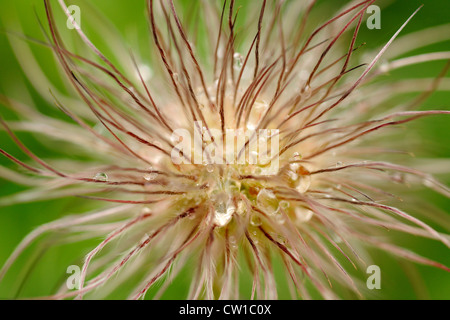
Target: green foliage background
[16, 221]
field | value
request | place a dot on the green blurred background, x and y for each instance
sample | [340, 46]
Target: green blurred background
[16, 221]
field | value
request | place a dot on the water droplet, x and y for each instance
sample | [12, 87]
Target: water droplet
[232, 186]
[241, 208]
[296, 156]
[280, 239]
[255, 237]
[257, 171]
[145, 72]
[191, 216]
[150, 175]
[258, 111]
[398, 177]
[238, 61]
[284, 204]
[384, 67]
[336, 238]
[303, 214]
[253, 157]
[174, 138]
[146, 210]
[267, 201]
[306, 93]
[210, 168]
[280, 218]
[261, 105]
[253, 191]
[255, 220]
[101, 176]
[233, 242]
[299, 177]
[303, 184]
[224, 209]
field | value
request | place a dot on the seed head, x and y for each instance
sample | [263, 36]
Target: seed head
[246, 138]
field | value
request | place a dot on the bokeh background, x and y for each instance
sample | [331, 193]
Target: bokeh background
[34, 273]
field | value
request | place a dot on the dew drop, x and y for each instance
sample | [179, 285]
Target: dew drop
[261, 105]
[398, 177]
[336, 238]
[267, 201]
[304, 184]
[296, 156]
[150, 175]
[299, 177]
[101, 176]
[241, 208]
[257, 171]
[145, 72]
[303, 215]
[238, 61]
[255, 220]
[255, 237]
[281, 239]
[191, 216]
[259, 109]
[234, 188]
[280, 218]
[253, 157]
[174, 138]
[306, 94]
[224, 209]
[384, 67]
[284, 204]
[232, 241]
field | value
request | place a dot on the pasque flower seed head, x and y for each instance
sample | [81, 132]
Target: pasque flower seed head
[254, 133]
